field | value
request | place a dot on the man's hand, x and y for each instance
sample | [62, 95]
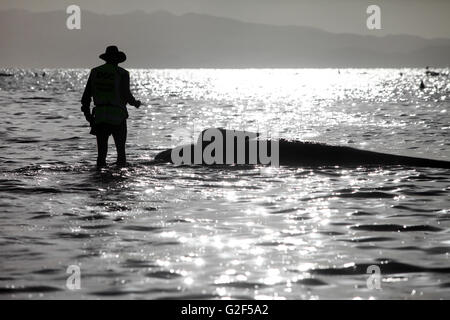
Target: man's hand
[137, 104]
[89, 117]
[87, 113]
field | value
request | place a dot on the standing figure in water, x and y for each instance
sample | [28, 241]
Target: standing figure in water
[109, 86]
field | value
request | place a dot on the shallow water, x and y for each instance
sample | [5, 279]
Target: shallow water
[159, 231]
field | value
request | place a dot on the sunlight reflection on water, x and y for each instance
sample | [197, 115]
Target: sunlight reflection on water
[164, 231]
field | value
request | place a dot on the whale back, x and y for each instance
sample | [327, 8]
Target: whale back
[292, 152]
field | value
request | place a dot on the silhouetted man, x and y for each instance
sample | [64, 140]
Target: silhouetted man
[109, 85]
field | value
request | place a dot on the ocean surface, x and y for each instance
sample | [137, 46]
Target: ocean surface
[161, 232]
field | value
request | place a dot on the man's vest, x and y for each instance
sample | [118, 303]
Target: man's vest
[105, 82]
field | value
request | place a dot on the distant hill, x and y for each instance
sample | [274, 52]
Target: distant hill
[164, 40]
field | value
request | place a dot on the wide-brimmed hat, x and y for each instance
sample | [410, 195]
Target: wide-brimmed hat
[112, 54]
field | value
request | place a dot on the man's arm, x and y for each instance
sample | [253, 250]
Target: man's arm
[86, 100]
[128, 95]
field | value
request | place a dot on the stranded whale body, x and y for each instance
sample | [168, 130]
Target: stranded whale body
[219, 146]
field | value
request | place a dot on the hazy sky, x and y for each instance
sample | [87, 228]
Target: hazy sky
[426, 18]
